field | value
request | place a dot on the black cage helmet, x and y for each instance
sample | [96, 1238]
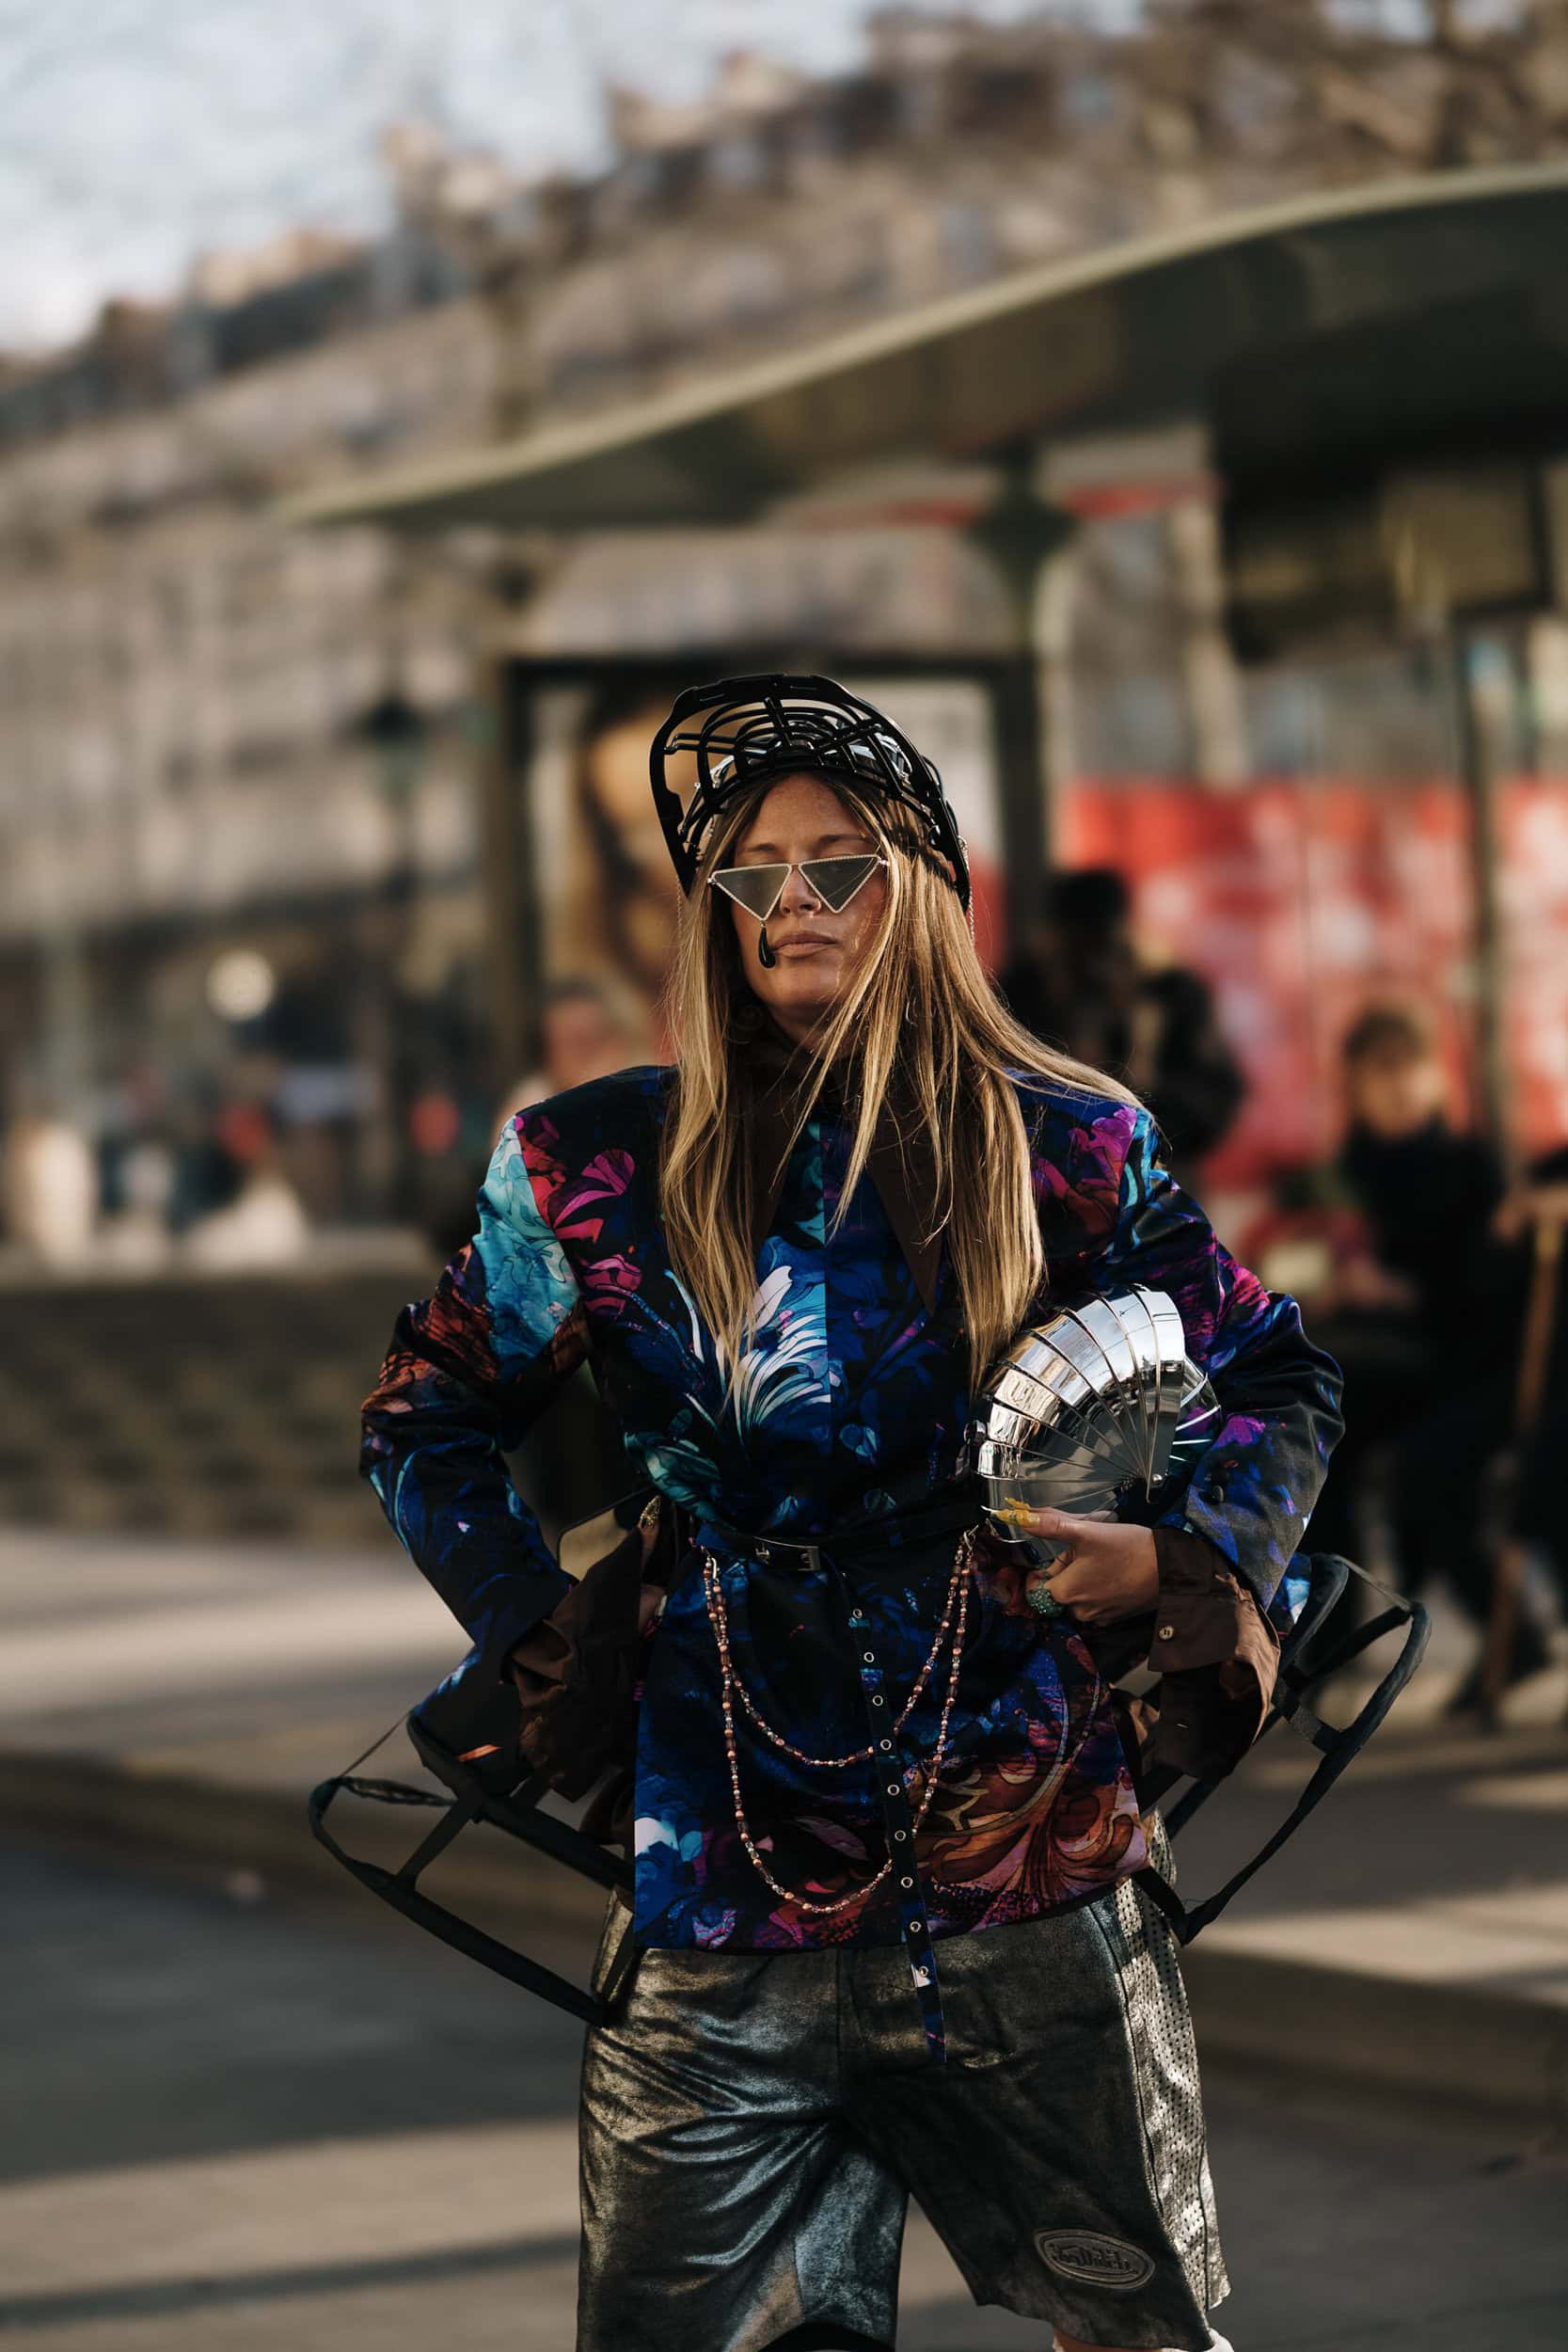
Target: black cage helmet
[744, 730]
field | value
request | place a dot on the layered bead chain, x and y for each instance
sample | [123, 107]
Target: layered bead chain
[732, 1687]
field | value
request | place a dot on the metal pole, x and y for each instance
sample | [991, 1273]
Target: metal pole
[512, 911]
[1023, 535]
[1508, 1575]
[1477, 769]
[1022, 787]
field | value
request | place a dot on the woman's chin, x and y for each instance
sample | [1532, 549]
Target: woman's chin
[799, 995]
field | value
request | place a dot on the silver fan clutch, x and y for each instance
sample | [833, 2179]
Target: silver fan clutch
[1095, 1404]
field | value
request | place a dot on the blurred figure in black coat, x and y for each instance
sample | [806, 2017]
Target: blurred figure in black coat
[1081, 985]
[1439, 1304]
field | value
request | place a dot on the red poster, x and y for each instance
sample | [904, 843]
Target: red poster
[1303, 900]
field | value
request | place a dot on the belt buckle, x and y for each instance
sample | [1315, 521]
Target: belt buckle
[768, 1547]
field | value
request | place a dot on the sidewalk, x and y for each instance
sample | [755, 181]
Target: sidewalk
[182, 1700]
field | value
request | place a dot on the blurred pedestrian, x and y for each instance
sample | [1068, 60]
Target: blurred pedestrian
[138, 1237]
[1447, 1270]
[1428, 1189]
[51, 1187]
[264, 1224]
[1081, 985]
[585, 1031]
[207, 1174]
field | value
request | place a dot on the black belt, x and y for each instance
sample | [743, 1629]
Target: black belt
[774, 1551]
[947, 1513]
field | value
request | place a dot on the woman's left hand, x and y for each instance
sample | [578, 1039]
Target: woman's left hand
[1107, 1570]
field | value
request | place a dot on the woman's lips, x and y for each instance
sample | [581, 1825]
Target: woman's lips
[804, 947]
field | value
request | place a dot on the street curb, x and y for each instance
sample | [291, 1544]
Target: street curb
[229, 1834]
[1459, 2041]
[1287, 2018]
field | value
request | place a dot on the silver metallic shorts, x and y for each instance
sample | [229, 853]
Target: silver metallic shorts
[754, 2124]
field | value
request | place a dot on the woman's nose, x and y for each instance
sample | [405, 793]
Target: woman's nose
[797, 896]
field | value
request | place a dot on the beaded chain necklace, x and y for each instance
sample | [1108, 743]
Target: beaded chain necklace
[732, 1689]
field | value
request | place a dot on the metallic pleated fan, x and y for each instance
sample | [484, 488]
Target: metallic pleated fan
[1093, 1405]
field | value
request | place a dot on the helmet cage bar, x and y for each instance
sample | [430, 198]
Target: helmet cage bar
[744, 731]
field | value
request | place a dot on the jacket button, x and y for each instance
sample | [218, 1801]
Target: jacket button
[1167, 1633]
[1215, 1493]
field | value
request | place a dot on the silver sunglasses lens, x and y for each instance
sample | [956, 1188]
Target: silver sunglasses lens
[835, 880]
[757, 888]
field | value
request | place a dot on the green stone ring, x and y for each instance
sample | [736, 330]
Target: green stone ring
[1044, 1601]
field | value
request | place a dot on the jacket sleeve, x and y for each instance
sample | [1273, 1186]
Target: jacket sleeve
[1216, 1653]
[469, 1371]
[1253, 1487]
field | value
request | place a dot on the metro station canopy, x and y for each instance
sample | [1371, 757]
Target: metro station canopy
[1428, 315]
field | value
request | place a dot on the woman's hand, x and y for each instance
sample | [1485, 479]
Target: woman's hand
[1104, 1572]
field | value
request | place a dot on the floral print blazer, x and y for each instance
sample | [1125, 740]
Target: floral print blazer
[849, 1413]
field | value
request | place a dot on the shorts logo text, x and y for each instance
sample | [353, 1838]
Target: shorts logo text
[1099, 2262]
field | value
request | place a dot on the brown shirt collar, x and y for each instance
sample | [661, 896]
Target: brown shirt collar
[901, 1164]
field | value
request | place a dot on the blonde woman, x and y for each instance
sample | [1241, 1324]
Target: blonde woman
[887, 1936]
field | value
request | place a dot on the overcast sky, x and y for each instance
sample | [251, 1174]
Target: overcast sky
[135, 133]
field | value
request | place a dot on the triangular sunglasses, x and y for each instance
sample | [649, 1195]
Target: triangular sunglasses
[833, 879]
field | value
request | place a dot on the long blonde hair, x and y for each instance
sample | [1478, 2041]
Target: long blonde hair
[920, 1014]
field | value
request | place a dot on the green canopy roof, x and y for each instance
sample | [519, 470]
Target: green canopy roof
[1424, 309]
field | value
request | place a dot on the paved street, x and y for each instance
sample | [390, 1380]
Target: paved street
[235, 2125]
[224, 1681]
